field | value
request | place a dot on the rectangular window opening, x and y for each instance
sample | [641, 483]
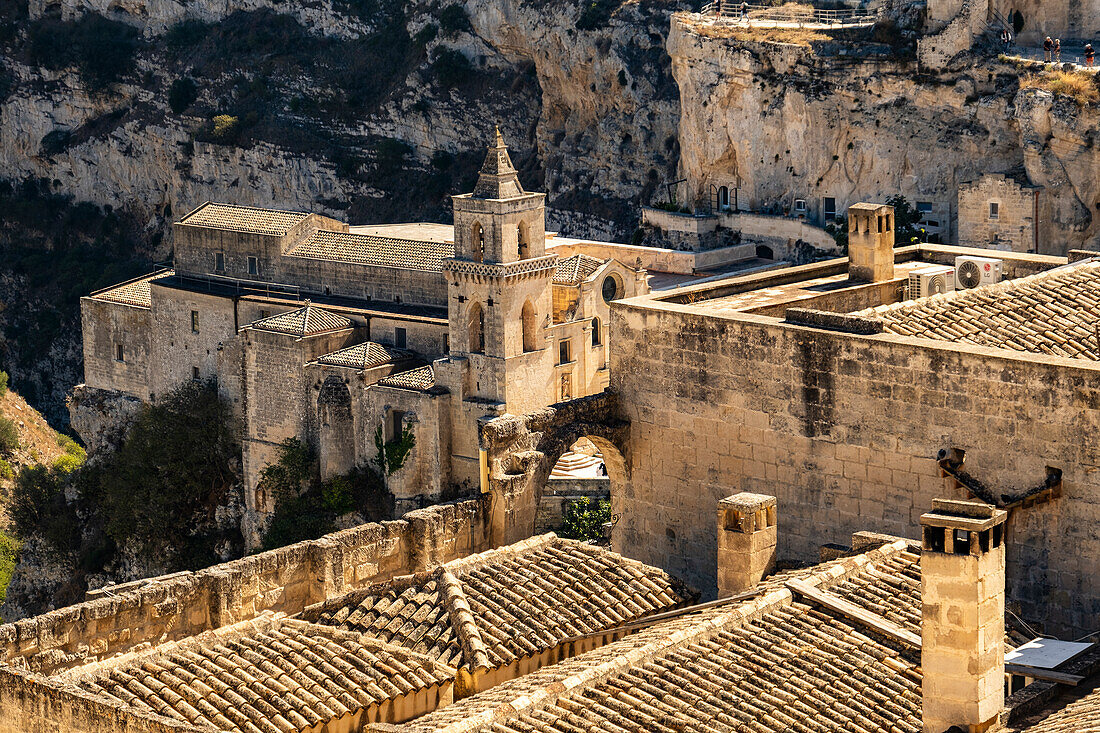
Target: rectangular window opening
[194, 321]
[994, 210]
[564, 354]
[400, 338]
[219, 262]
[395, 425]
[253, 266]
[829, 208]
[120, 353]
[195, 376]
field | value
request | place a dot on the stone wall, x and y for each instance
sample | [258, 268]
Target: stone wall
[1015, 227]
[286, 580]
[844, 430]
[105, 326]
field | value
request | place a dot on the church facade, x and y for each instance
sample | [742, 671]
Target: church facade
[345, 337]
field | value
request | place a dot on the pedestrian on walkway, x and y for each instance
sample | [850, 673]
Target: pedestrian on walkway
[1090, 55]
[1006, 39]
[1048, 47]
[745, 12]
[1057, 50]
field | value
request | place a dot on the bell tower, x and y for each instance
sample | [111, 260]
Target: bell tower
[500, 289]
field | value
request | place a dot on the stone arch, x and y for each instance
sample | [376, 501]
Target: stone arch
[477, 328]
[477, 242]
[765, 252]
[521, 451]
[530, 321]
[336, 429]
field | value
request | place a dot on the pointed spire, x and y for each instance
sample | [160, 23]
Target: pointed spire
[498, 178]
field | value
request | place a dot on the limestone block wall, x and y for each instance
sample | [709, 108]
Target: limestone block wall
[422, 336]
[426, 473]
[389, 284]
[284, 580]
[104, 325]
[844, 431]
[177, 349]
[657, 259]
[777, 232]
[1015, 227]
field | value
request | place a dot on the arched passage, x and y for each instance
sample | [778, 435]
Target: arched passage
[521, 451]
[336, 430]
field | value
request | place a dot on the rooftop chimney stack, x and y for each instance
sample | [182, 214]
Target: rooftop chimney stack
[871, 242]
[747, 537]
[962, 569]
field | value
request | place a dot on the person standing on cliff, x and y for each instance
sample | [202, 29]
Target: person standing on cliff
[1048, 46]
[1006, 39]
[1090, 55]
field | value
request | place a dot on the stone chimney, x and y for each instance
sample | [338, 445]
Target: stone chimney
[962, 569]
[871, 242]
[747, 536]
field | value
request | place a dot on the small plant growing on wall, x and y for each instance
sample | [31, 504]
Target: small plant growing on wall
[391, 456]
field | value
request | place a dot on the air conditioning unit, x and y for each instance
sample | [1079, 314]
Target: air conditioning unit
[973, 272]
[931, 280]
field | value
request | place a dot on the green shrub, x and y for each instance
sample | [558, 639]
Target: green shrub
[453, 20]
[584, 519]
[225, 128]
[6, 471]
[174, 467]
[451, 67]
[3, 383]
[9, 436]
[71, 447]
[9, 556]
[67, 464]
[38, 506]
[182, 94]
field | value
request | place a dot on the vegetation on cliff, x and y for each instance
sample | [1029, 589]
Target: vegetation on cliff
[306, 507]
[1079, 85]
[159, 496]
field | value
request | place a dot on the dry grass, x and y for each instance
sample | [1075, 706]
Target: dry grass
[1080, 86]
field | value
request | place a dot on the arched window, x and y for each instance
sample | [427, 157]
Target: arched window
[521, 240]
[723, 198]
[530, 327]
[477, 329]
[477, 242]
[597, 338]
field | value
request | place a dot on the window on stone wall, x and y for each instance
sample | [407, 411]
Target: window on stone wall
[446, 344]
[994, 210]
[194, 321]
[477, 329]
[924, 207]
[394, 425]
[521, 240]
[219, 262]
[800, 206]
[253, 266]
[564, 352]
[120, 353]
[530, 326]
[264, 314]
[400, 337]
[597, 339]
[477, 242]
[195, 376]
[829, 209]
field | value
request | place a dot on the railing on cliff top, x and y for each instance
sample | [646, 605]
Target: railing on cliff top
[796, 15]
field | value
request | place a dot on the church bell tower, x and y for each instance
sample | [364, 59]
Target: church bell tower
[500, 289]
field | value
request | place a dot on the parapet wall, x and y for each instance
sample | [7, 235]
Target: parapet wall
[285, 580]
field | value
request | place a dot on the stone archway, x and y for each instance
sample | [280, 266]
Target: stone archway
[336, 429]
[520, 452]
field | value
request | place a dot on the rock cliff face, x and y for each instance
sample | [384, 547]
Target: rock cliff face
[795, 120]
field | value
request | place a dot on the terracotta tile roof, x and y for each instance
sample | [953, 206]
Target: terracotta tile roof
[1075, 710]
[421, 378]
[363, 356]
[1053, 312]
[267, 674]
[135, 292]
[244, 219]
[305, 321]
[778, 662]
[493, 608]
[576, 269]
[365, 249]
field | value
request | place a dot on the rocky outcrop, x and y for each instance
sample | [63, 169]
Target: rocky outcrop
[101, 417]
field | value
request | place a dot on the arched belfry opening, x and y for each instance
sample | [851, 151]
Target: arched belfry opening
[336, 429]
[477, 329]
[530, 320]
[477, 242]
[522, 244]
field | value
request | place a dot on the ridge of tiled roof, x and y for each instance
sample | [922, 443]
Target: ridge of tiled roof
[421, 378]
[575, 269]
[522, 602]
[269, 673]
[305, 321]
[250, 219]
[135, 292]
[1052, 312]
[364, 356]
[645, 681]
[367, 249]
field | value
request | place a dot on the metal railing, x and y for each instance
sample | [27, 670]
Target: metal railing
[795, 15]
